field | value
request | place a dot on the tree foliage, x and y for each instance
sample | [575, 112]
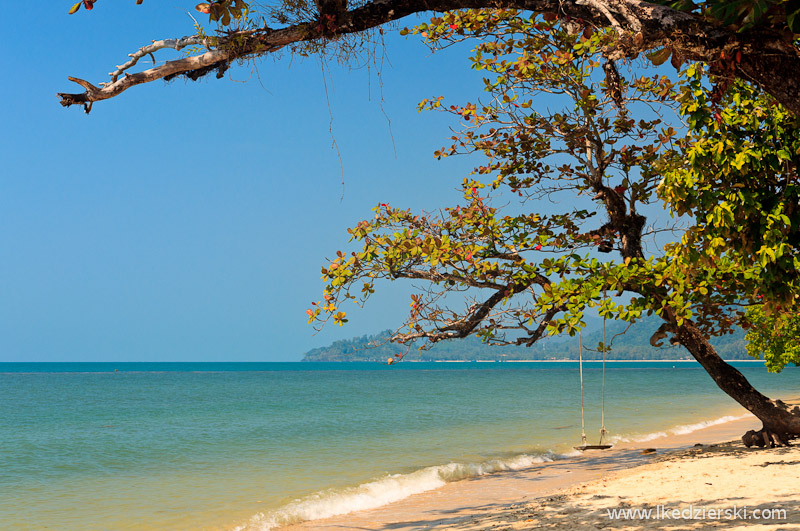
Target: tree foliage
[560, 122]
[744, 15]
[773, 338]
[736, 176]
[733, 174]
[547, 264]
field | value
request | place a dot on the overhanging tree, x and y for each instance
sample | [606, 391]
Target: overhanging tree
[734, 175]
[609, 152]
[761, 34]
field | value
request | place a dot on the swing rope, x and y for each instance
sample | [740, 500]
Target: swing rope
[603, 430]
[580, 365]
[603, 401]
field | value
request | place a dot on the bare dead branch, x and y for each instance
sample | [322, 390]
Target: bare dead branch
[110, 90]
[150, 49]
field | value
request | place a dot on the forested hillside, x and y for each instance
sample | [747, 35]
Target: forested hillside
[633, 345]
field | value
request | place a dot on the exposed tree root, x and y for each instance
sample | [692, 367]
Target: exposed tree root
[765, 437]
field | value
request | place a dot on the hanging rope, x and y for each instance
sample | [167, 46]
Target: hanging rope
[603, 432]
[580, 364]
[603, 400]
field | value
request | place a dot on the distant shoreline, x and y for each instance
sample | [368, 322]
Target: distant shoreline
[570, 361]
[535, 361]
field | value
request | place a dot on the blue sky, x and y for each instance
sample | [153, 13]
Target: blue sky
[189, 221]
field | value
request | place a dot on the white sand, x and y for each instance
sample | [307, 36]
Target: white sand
[717, 483]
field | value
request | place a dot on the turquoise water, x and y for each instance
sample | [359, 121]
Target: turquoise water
[216, 446]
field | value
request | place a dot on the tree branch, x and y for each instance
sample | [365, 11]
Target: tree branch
[602, 8]
[175, 44]
[434, 276]
[540, 330]
[689, 35]
[464, 327]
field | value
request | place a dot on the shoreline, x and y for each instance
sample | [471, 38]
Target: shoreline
[484, 501]
[586, 361]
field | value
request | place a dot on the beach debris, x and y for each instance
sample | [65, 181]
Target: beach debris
[557, 498]
[648, 451]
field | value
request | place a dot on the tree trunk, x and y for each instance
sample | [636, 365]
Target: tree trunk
[779, 422]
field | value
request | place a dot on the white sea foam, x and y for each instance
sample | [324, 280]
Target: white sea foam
[388, 489]
[679, 430]
[395, 487]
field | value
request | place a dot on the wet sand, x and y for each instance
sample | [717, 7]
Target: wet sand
[577, 493]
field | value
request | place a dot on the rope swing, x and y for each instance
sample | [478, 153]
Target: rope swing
[600, 445]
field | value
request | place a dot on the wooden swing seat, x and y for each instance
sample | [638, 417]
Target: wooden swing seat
[592, 447]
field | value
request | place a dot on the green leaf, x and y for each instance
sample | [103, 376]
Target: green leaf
[793, 15]
[75, 8]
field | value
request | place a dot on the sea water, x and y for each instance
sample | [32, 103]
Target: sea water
[249, 446]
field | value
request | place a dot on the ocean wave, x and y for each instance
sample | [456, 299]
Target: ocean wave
[682, 429]
[383, 491]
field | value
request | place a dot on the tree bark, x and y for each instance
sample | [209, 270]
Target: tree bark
[767, 59]
[779, 421]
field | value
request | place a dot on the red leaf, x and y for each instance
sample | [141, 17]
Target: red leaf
[538, 247]
[453, 27]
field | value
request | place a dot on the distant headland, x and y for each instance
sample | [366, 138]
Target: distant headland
[633, 345]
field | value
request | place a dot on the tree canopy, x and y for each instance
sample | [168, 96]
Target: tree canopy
[612, 152]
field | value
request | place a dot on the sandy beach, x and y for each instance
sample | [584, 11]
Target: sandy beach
[691, 481]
